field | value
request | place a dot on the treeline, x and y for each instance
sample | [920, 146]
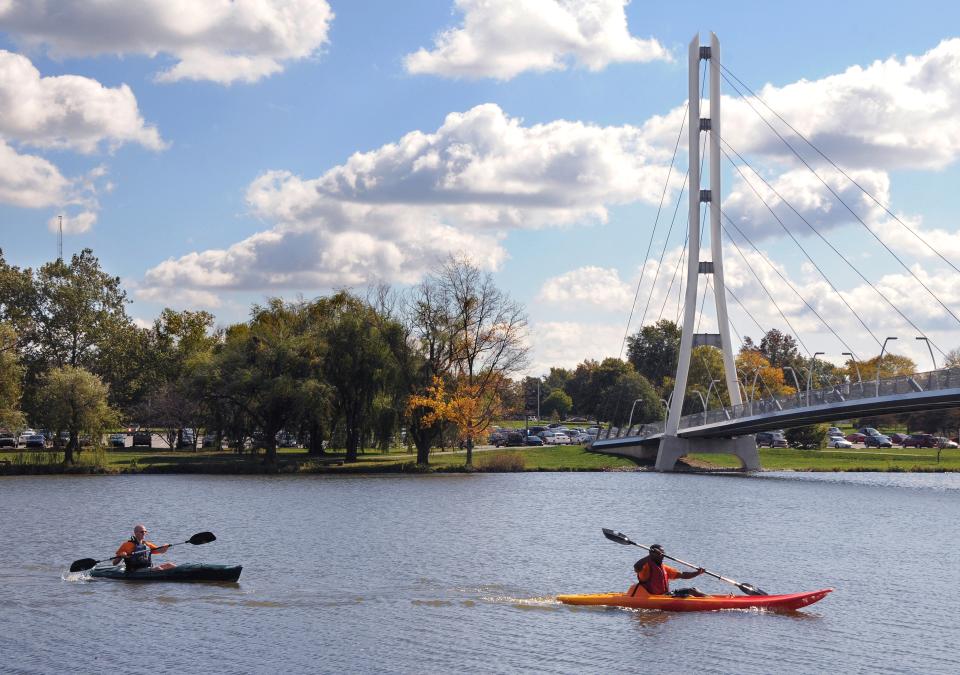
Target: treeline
[771, 367]
[340, 367]
[345, 370]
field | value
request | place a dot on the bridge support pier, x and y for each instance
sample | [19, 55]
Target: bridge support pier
[673, 448]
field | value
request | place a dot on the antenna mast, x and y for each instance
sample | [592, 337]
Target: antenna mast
[60, 239]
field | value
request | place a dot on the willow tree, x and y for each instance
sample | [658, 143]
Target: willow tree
[75, 400]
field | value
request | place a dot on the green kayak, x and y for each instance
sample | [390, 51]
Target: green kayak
[182, 572]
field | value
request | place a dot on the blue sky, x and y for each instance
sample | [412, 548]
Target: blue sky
[214, 154]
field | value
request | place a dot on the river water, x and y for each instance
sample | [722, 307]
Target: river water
[458, 573]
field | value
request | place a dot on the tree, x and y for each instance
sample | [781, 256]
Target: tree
[808, 437]
[487, 343]
[607, 391]
[892, 366]
[780, 349]
[952, 358]
[11, 374]
[261, 372]
[75, 400]
[558, 402]
[360, 360]
[653, 351]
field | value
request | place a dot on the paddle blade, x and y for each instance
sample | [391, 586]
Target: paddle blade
[751, 590]
[618, 537]
[202, 538]
[83, 565]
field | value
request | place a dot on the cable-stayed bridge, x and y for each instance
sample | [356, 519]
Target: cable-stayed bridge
[932, 390]
[730, 429]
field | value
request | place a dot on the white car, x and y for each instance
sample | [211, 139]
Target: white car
[559, 439]
[839, 442]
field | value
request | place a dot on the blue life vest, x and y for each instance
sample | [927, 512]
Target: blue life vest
[140, 557]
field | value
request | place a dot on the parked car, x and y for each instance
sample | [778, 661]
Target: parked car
[839, 442]
[7, 440]
[515, 439]
[771, 439]
[869, 431]
[187, 438]
[834, 431]
[497, 438]
[920, 441]
[533, 440]
[856, 437]
[61, 439]
[118, 440]
[944, 442]
[143, 438]
[579, 436]
[899, 438]
[24, 435]
[210, 441]
[878, 441]
[36, 441]
[287, 440]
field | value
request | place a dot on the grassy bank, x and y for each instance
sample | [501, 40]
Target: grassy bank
[887, 459]
[295, 460]
[552, 458]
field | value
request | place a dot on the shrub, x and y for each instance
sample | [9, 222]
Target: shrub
[501, 462]
[807, 437]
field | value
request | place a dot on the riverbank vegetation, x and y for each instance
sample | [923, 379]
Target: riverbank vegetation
[399, 372]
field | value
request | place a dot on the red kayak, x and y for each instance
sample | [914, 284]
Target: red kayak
[669, 603]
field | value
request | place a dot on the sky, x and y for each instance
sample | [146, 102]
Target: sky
[214, 154]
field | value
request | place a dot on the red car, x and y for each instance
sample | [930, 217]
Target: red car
[921, 441]
[856, 437]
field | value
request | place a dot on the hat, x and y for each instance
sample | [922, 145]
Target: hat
[656, 547]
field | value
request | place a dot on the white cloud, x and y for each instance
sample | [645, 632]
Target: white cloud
[29, 181]
[220, 40]
[503, 38]
[587, 287]
[808, 196]
[73, 224]
[394, 212]
[564, 344]
[892, 114]
[68, 111]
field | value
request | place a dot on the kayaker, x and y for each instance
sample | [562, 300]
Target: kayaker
[654, 577]
[136, 552]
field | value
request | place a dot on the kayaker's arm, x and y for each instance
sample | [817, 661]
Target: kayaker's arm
[690, 575]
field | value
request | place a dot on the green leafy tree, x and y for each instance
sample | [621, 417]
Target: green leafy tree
[810, 436]
[261, 372]
[11, 374]
[359, 363]
[558, 402]
[75, 400]
[653, 351]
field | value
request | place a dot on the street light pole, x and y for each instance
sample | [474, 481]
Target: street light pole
[857, 367]
[796, 382]
[924, 338]
[880, 361]
[813, 361]
[630, 421]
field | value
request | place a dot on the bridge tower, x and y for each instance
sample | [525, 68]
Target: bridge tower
[673, 447]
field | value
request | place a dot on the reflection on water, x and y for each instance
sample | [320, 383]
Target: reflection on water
[444, 579]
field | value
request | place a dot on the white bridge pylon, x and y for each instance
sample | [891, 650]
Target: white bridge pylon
[673, 447]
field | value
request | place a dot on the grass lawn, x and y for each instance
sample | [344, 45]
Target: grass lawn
[886, 459]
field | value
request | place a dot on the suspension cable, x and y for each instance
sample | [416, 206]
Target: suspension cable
[832, 247]
[653, 232]
[782, 277]
[845, 174]
[847, 206]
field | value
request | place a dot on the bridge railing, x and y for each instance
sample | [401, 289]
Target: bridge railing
[934, 380]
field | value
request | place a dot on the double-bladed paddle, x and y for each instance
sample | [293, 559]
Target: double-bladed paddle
[87, 563]
[621, 538]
